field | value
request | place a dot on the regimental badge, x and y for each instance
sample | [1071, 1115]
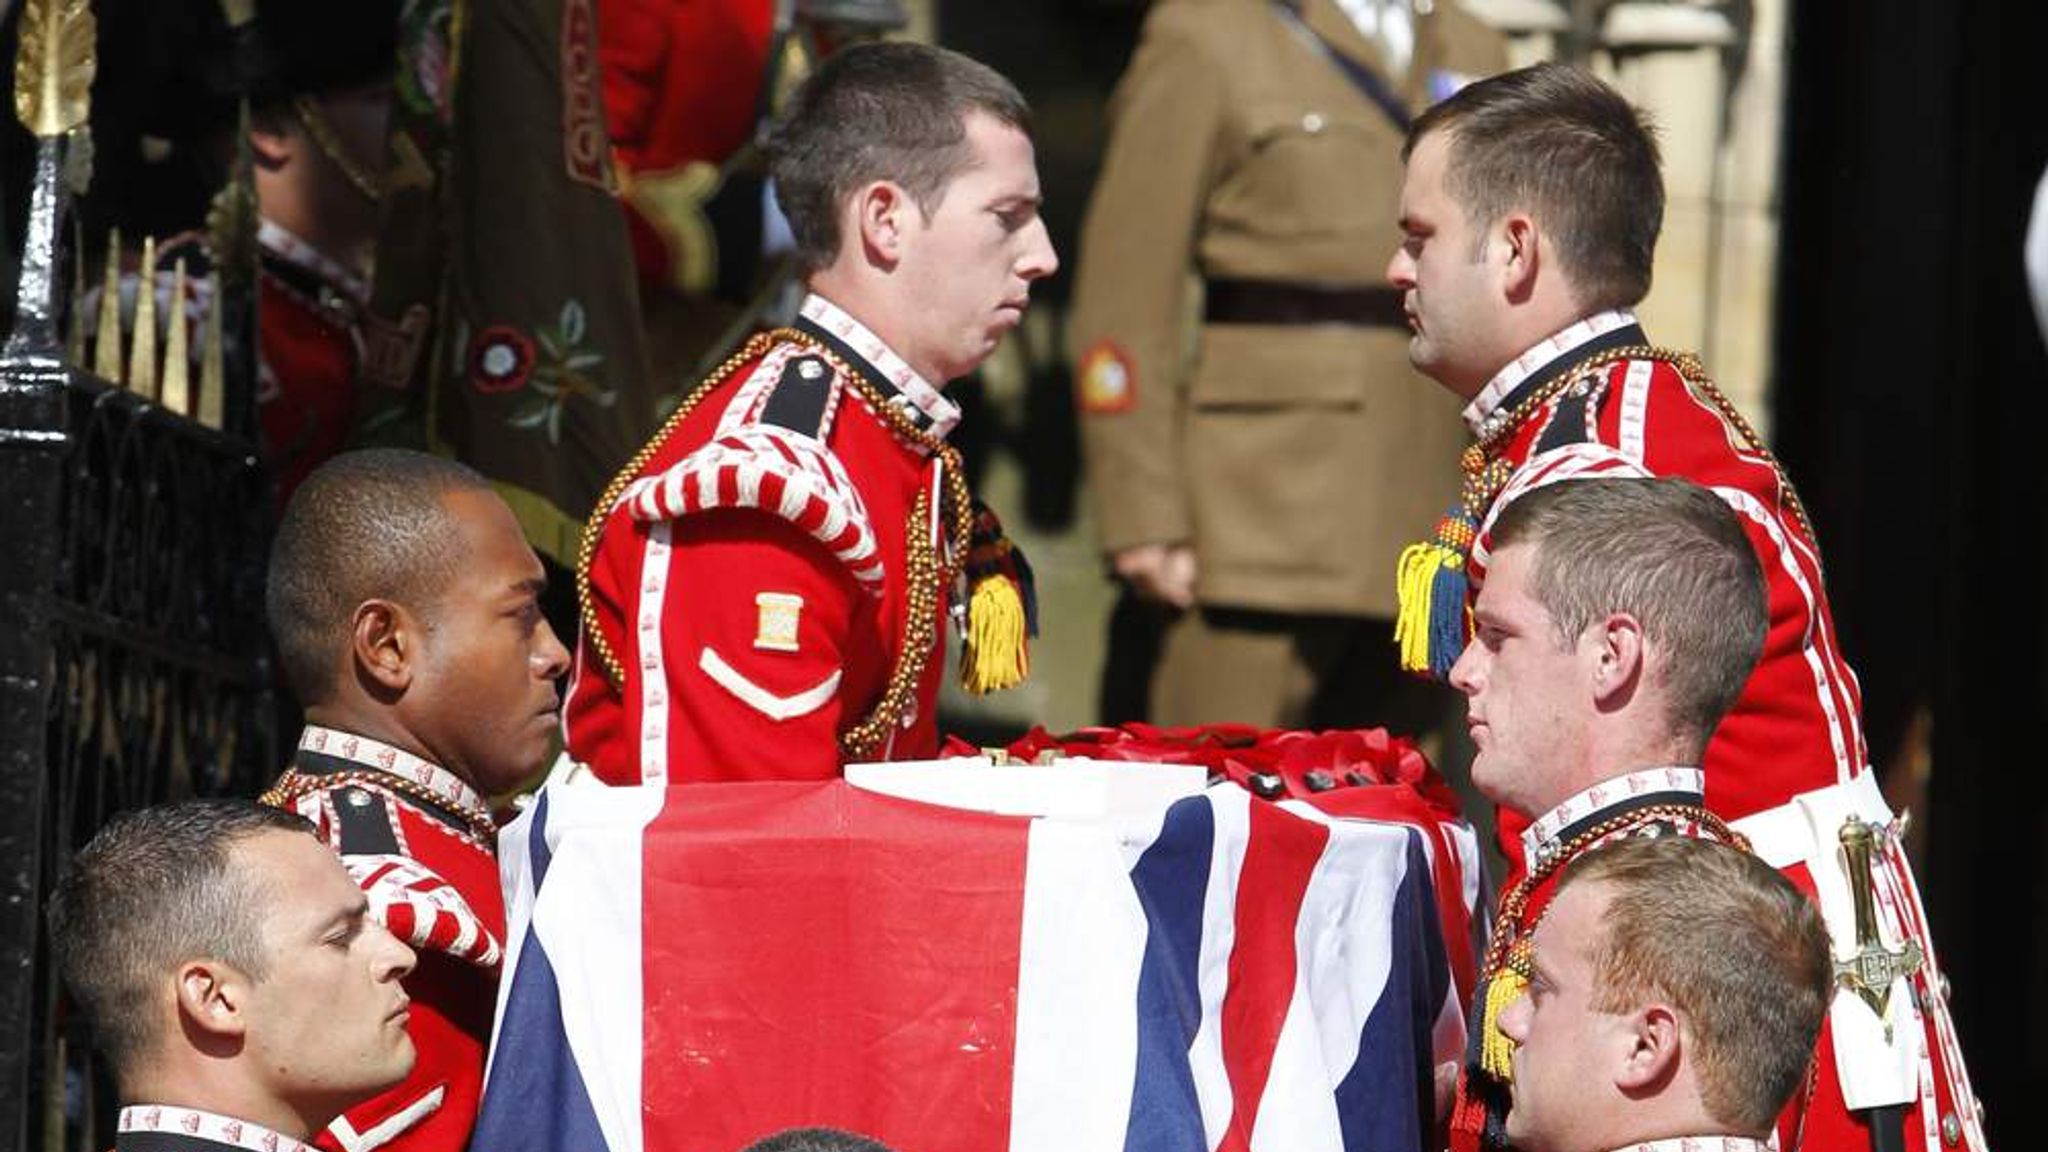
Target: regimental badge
[1108, 382]
[779, 614]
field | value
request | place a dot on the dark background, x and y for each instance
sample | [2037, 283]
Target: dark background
[1908, 386]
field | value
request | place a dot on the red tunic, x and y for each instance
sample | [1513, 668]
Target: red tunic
[306, 389]
[412, 836]
[767, 566]
[1796, 726]
[1652, 802]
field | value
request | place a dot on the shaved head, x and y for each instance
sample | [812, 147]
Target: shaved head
[367, 525]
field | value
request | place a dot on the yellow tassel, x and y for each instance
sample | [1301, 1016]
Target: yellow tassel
[1419, 564]
[1496, 1051]
[998, 653]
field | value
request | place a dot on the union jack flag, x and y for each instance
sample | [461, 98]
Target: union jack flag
[695, 967]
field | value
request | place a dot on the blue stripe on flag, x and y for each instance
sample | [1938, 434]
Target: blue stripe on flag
[536, 1099]
[1387, 1099]
[1172, 883]
[537, 848]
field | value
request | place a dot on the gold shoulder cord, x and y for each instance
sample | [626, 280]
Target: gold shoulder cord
[928, 569]
[1689, 369]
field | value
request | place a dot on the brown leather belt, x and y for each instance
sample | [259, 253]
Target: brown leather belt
[1280, 302]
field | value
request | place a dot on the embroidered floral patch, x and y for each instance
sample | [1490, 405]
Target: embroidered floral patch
[565, 371]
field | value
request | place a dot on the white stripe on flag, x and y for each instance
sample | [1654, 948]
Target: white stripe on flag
[1081, 947]
[1232, 808]
[591, 892]
[1343, 955]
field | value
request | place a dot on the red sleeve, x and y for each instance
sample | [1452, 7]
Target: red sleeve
[754, 635]
[633, 51]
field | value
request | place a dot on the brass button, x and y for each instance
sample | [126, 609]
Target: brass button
[1951, 1129]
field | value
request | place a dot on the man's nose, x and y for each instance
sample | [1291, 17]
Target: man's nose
[1401, 269]
[550, 658]
[395, 957]
[1040, 260]
[1514, 1019]
[1465, 673]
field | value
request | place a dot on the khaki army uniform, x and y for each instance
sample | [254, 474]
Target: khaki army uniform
[1278, 429]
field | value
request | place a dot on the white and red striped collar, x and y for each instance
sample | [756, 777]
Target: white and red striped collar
[201, 1125]
[930, 408]
[1690, 785]
[283, 244]
[1545, 351]
[1700, 1144]
[445, 786]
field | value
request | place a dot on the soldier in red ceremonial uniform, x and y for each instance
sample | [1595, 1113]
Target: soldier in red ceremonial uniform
[1531, 211]
[764, 588]
[404, 602]
[235, 981]
[1620, 620]
[317, 137]
[1582, 575]
[319, 85]
[1652, 1032]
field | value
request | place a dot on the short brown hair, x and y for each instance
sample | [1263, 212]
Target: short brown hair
[885, 111]
[365, 525]
[1554, 141]
[1732, 945]
[1666, 551]
[157, 887]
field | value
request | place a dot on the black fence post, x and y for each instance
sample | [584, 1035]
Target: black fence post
[33, 447]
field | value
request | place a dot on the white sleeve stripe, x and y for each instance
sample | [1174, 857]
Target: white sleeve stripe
[760, 699]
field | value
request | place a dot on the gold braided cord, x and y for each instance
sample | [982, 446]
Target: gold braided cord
[479, 828]
[1689, 369]
[928, 568]
[924, 577]
[1516, 901]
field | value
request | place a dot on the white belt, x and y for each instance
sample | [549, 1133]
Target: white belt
[1792, 832]
[1877, 1060]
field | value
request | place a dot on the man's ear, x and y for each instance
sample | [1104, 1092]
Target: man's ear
[274, 137]
[384, 645]
[1617, 653]
[1652, 1038]
[880, 213]
[1521, 252]
[213, 1002]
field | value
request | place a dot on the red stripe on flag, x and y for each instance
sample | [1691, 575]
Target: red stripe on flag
[815, 954]
[1280, 855]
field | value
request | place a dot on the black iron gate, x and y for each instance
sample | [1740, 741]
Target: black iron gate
[133, 658]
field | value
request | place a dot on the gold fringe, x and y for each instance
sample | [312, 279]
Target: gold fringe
[998, 653]
[1496, 1051]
